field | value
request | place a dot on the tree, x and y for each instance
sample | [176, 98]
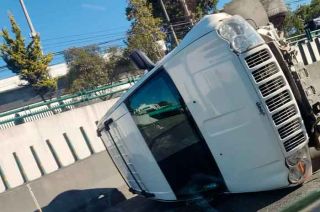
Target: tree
[293, 24]
[295, 20]
[145, 29]
[87, 69]
[118, 63]
[198, 9]
[149, 22]
[27, 61]
[313, 10]
[205, 7]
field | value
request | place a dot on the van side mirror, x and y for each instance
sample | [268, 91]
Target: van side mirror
[141, 60]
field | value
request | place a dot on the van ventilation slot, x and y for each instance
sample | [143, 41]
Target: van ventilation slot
[264, 72]
[294, 141]
[284, 115]
[257, 58]
[289, 128]
[271, 86]
[278, 100]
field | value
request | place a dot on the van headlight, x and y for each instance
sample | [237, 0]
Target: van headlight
[299, 164]
[239, 33]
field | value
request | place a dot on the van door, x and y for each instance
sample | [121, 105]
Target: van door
[173, 137]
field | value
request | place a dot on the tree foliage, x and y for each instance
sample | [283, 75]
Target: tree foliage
[204, 7]
[27, 61]
[312, 10]
[293, 24]
[145, 29]
[295, 20]
[149, 22]
[87, 69]
[118, 63]
[90, 67]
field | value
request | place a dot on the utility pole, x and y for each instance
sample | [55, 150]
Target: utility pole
[25, 11]
[186, 11]
[169, 22]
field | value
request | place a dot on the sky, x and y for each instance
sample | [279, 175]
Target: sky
[71, 23]
[67, 23]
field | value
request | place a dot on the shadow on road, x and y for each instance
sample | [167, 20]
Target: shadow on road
[89, 200]
[250, 201]
[227, 202]
[112, 200]
[267, 201]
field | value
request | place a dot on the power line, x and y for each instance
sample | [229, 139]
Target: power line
[104, 44]
[181, 24]
[85, 43]
[75, 41]
[2, 67]
[102, 47]
[295, 2]
[88, 36]
[182, 27]
[84, 34]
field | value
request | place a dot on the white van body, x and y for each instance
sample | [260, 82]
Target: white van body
[235, 116]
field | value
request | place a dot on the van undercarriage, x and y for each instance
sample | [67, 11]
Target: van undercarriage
[305, 84]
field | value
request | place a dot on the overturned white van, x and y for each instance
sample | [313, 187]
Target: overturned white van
[216, 114]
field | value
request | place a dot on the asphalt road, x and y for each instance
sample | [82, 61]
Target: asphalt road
[261, 201]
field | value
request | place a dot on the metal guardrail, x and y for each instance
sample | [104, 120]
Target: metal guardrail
[302, 37]
[64, 103]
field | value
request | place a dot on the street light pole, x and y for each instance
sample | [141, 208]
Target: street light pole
[25, 11]
[186, 11]
[169, 22]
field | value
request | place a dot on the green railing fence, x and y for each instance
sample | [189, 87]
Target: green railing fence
[64, 103]
[303, 37]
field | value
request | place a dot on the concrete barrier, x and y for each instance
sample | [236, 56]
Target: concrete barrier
[308, 52]
[34, 149]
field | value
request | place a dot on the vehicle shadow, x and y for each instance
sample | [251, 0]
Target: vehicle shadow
[209, 203]
[88, 200]
[141, 204]
[111, 199]
[251, 201]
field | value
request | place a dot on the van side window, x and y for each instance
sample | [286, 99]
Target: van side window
[171, 135]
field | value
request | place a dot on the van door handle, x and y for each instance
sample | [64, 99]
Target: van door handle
[107, 123]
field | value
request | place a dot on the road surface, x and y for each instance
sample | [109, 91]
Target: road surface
[261, 201]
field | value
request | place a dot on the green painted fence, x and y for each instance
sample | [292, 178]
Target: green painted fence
[303, 37]
[64, 103]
